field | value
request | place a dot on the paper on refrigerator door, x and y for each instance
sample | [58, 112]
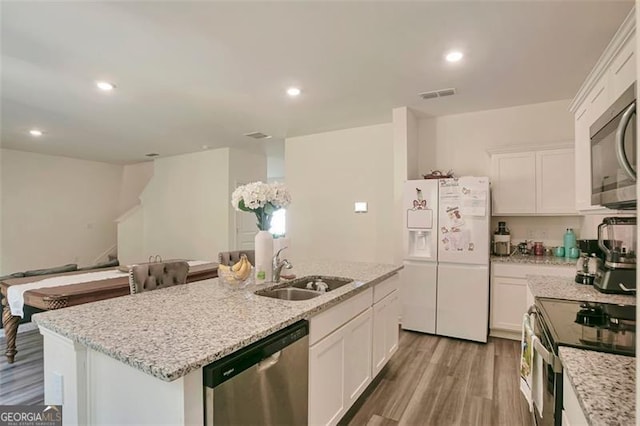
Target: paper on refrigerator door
[473, 202]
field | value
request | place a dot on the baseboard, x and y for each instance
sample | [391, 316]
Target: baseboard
[506, 334]
[26, 327]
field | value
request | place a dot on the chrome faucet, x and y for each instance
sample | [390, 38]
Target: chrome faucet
[278, 265]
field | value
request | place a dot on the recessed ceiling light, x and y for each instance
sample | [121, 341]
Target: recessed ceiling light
[454, 56]
[105, 86]
[35, 132]
[293, 91]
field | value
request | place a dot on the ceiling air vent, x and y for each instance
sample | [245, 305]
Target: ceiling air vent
[438, 93]
[152, 154]
[257, 135]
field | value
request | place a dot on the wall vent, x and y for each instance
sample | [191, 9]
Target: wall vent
[438, 93]
[257, 135]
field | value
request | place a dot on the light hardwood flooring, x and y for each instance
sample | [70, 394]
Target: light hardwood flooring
[435, 380]
[23, 381]
[429, 381]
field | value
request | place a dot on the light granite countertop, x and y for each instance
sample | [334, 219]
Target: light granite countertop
[603, 383]
[536, 260]
[170, 332]
[554, 287]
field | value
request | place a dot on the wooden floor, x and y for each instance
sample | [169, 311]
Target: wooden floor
[429, 381]
[439, 381]
[23, 381]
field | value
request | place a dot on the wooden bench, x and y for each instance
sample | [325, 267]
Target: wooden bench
[74, 294]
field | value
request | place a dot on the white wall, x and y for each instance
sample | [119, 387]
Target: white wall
[244, 167]
[461, 140]
[135, 178]
[326, 173]
[56, 210]
[186, 206]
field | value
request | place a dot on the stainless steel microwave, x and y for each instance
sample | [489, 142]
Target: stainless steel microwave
[613, 154]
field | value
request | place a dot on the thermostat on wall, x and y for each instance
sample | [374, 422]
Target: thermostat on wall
[361, 207]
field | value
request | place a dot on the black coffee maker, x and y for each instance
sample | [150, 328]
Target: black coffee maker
[617, 239]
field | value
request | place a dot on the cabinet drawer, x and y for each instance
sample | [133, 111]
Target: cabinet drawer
[325, 322]
[386, 287]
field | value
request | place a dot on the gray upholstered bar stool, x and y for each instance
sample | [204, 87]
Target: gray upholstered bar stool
[152, 276]
[231, 257]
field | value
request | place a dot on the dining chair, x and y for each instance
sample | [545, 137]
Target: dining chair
[231, 257]
[153, 276]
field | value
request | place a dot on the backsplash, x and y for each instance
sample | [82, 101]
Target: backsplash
[548, 229]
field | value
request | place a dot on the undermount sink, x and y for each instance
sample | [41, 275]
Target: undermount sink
[301, 289]
[289, 293]
[332, 282]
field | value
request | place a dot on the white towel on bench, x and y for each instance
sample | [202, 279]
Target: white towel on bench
[15, 293]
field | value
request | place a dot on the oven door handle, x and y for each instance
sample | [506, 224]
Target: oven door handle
[547, 356]
[620, 134]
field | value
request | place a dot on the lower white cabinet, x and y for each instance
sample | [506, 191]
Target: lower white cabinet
[385, 330]
[510, 295]
[572, 414]
[343, 340]
[339, 370]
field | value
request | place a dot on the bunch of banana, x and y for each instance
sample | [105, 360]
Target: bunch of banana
[240, 271]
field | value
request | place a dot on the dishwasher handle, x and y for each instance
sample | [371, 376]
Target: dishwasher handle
[260, 353]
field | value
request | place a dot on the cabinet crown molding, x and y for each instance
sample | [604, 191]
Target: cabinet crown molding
[530, 147]
[626, 30]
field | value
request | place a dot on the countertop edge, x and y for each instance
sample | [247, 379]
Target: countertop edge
[591, 414]
[169, 375]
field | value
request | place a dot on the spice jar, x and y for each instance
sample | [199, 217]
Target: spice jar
[538, 248]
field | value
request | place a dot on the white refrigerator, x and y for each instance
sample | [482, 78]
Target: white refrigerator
[445, 280]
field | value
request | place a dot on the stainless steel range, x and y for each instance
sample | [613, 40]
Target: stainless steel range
[586, 325]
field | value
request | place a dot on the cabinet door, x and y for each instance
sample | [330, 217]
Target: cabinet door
[514, 183]
[623, 69]
[582, 158]
[357, 370]
[555, 181]
[326, 379]
[379, 352]
[385, 330]
[391, 324]
[508, 303]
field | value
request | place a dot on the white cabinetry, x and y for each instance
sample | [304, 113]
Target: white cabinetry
[572, 414]
[342, 341]
[510, 297]
[513, 180]
[611, 76]
[530, 182]
[385, 330]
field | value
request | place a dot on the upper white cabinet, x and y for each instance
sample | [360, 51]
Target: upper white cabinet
[555, 182]
[533, 182]
[612, 75]
[513, 180]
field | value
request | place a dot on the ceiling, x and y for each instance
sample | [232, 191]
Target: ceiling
[191, 74]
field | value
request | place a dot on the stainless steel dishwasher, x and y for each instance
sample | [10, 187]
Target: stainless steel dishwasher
[265, 383]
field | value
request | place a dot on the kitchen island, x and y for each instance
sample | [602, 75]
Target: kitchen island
[139, 358]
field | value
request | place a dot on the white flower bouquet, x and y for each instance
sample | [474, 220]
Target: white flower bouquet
[263, 199]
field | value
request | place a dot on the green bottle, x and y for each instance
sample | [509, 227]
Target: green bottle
[569, 241]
